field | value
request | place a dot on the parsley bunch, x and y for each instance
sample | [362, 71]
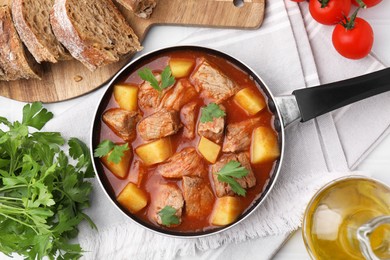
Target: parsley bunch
[42, 194]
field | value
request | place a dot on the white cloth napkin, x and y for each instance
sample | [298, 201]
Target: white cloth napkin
[286, 57]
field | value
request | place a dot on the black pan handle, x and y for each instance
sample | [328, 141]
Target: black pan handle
[316, 101]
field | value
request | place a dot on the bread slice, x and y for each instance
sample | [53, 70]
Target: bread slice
[141, 8]
[94, 31]
[15, 63]
[32, 21]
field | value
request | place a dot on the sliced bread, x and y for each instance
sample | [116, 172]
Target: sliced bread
[15, 62]
[94, 31]
[32, 21]
[142, 8]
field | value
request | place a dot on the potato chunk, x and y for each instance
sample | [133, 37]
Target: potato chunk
[250, 101]
[264, 146]
[156, 151]
[226, 211]
[181, 67]
[126, 96]
[120, 169]
[133, 198]
[209, 149]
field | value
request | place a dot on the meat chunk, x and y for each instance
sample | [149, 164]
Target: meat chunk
[148, 97]
[187, 162]
[122, 122]
[139, 170]
[224, 189]
[198, 197]
[212, 83]
[238, 135]
[168, 195]
[160, 124]
[187, 115]
[182, 93]
[213, 130]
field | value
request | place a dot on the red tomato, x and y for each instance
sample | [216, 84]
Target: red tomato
[369, 3]
[355, 43]
[298, 0]
[332, 13]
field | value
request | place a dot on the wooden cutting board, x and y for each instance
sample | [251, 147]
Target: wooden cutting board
[69, 79]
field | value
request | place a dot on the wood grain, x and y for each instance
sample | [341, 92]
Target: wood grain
[71, 79]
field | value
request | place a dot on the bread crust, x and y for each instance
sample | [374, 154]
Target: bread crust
[34, 43]
[80, 47]
[14, 61]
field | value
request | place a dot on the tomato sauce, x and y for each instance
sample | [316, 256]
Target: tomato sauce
[234, 114]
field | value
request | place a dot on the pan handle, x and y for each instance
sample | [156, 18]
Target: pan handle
[316, 101]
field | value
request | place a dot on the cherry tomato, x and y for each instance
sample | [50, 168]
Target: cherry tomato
[369, 3]
[355, 43]
[298, 0]
[332, 13]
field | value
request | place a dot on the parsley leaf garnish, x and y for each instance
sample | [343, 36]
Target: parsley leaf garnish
[210, 112]
[104, 148]
[78, 150]
[147, 75]
[231, 170]
[168, 216]
[42, 194]
[35, 115]
[115, 152]
[166, 78]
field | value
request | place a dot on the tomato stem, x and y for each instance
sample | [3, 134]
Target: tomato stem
[324, 3]
[349, 24]
[361, 3]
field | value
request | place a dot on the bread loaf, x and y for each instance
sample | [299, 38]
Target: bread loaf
[142, 8]
[32, 21]
[94, 31]
[15, 63]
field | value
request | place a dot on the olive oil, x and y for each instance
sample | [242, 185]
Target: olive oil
[334, 215]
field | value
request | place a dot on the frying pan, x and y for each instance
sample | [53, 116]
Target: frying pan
[302, 104]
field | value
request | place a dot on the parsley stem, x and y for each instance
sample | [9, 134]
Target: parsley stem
[7, 211]
[7, 201]
[11, 165]
[11, 203]
[19, 221]
[13, 187]
[11, 209]
[10, 198]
